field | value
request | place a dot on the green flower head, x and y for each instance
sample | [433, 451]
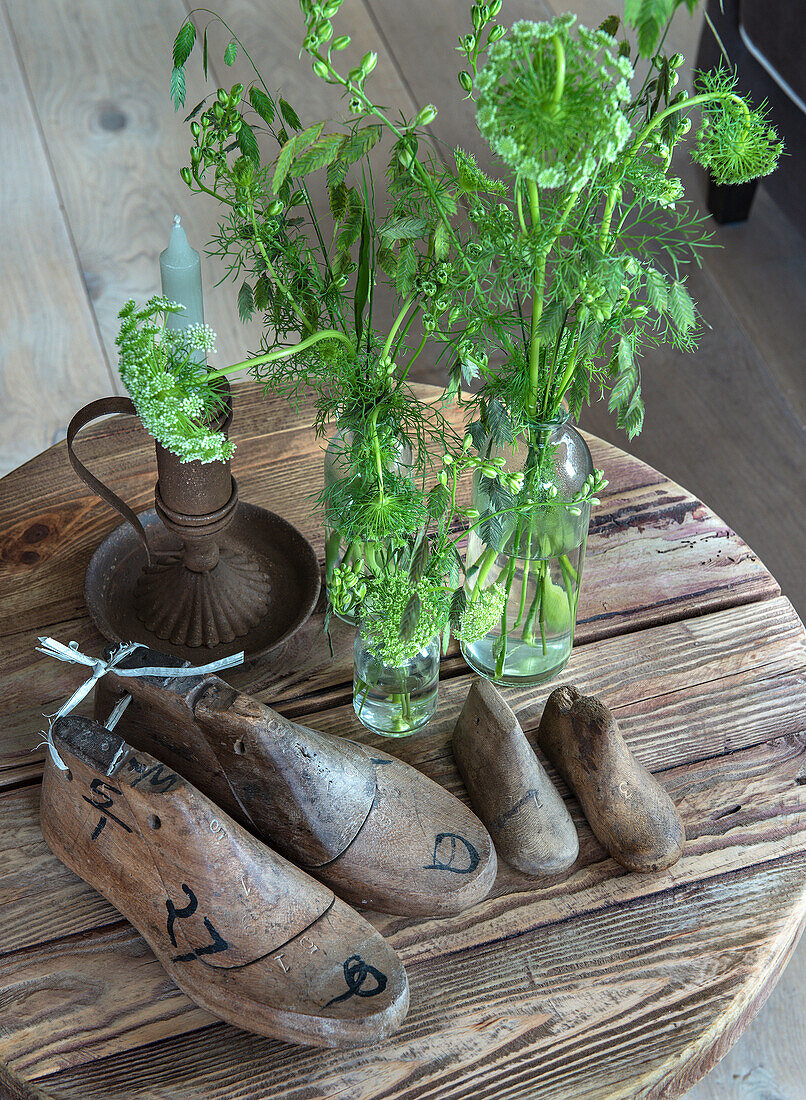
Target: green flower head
[482, 613]
[163, 371]
[550, 101]
[387, 604]
[734, 143]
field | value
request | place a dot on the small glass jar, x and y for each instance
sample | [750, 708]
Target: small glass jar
[395, 700]
[536, 553]
[337, 550]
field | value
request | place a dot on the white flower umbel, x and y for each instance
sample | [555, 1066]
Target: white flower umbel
[169, 387]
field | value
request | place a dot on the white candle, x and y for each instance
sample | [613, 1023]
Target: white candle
[180, 269]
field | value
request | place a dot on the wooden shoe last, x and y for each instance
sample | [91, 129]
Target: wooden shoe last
[243, 932]
[627, 808]
[509, 788]
[376, 830]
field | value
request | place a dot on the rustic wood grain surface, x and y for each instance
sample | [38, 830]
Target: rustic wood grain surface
[92, 151]
[598, 983]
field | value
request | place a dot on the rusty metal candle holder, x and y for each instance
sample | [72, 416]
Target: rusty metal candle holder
[200, 570]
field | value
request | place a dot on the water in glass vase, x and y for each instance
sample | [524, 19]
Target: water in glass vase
[533, 641]
[395, 700]
[532, 543]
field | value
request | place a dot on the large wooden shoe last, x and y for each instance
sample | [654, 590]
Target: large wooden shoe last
[374, 829]
[509, 788]
[627, 808]
[242, 932]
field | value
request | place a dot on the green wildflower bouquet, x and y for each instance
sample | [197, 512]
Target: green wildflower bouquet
[316, 291]
[581, 257]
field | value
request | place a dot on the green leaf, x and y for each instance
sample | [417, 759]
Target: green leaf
[456, 566]
[204, 54]
[625, 354]
[263, 104]
[406, 268]
[551, 320]
[438, 502]
[359, 143]
[410, 618]
[289, 114]
[183, 44]
[195, 110]
[336, 173]
[352, 223]
[631, 420]
[657, 292]
[442, 244]
[247, 143]
[458, 608]
[491, 531]
[363, 277]
[419, 559]
[338, 201]
[178, 87]
[246, 303]
[627, 377]
[290, 150]
[479, 435]
[231, 52]
[399, 229]
[262, 294]
[648, 17]
[319, 155]
[610, 25]
[499, 424]
[589, 339]
[681, 308]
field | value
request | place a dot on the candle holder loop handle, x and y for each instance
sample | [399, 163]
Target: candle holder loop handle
[106, 406]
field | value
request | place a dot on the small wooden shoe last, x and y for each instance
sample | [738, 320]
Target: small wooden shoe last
[509, 788]
[242, 932]
[627, 808]
[377, 831]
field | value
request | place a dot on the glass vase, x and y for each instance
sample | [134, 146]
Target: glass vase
[395, 700]
[338, 551]
[535, 550]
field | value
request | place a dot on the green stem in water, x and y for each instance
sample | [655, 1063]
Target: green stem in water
[490, 554]
[537, 304]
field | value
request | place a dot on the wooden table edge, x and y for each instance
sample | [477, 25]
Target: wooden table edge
[714, 1044]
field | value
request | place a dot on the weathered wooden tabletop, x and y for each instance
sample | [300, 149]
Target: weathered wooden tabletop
[598, 984]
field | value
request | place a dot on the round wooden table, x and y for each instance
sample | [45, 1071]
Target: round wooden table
[600, 983]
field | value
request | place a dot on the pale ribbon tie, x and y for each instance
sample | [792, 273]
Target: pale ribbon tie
[73, 655]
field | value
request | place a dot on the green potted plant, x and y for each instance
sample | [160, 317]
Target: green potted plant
[581, 253]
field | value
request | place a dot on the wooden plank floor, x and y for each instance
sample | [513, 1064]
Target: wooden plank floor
[90, 184]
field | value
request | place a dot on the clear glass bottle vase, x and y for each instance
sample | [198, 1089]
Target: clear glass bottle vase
[338, 551]
[395, 700]
[536, 552]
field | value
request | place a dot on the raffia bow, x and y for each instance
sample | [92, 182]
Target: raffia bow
[73, 655]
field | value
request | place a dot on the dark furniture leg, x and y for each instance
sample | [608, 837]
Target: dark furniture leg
[730, 203]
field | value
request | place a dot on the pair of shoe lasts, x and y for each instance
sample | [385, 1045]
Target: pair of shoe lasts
[628, 810]
[170, 816]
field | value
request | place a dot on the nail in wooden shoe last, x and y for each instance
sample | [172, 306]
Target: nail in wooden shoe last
[242, 932]
[627, 808]
[377, 831]
[509, 788]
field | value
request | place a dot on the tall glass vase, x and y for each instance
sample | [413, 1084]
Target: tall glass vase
[338, 550]
[534, 546]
